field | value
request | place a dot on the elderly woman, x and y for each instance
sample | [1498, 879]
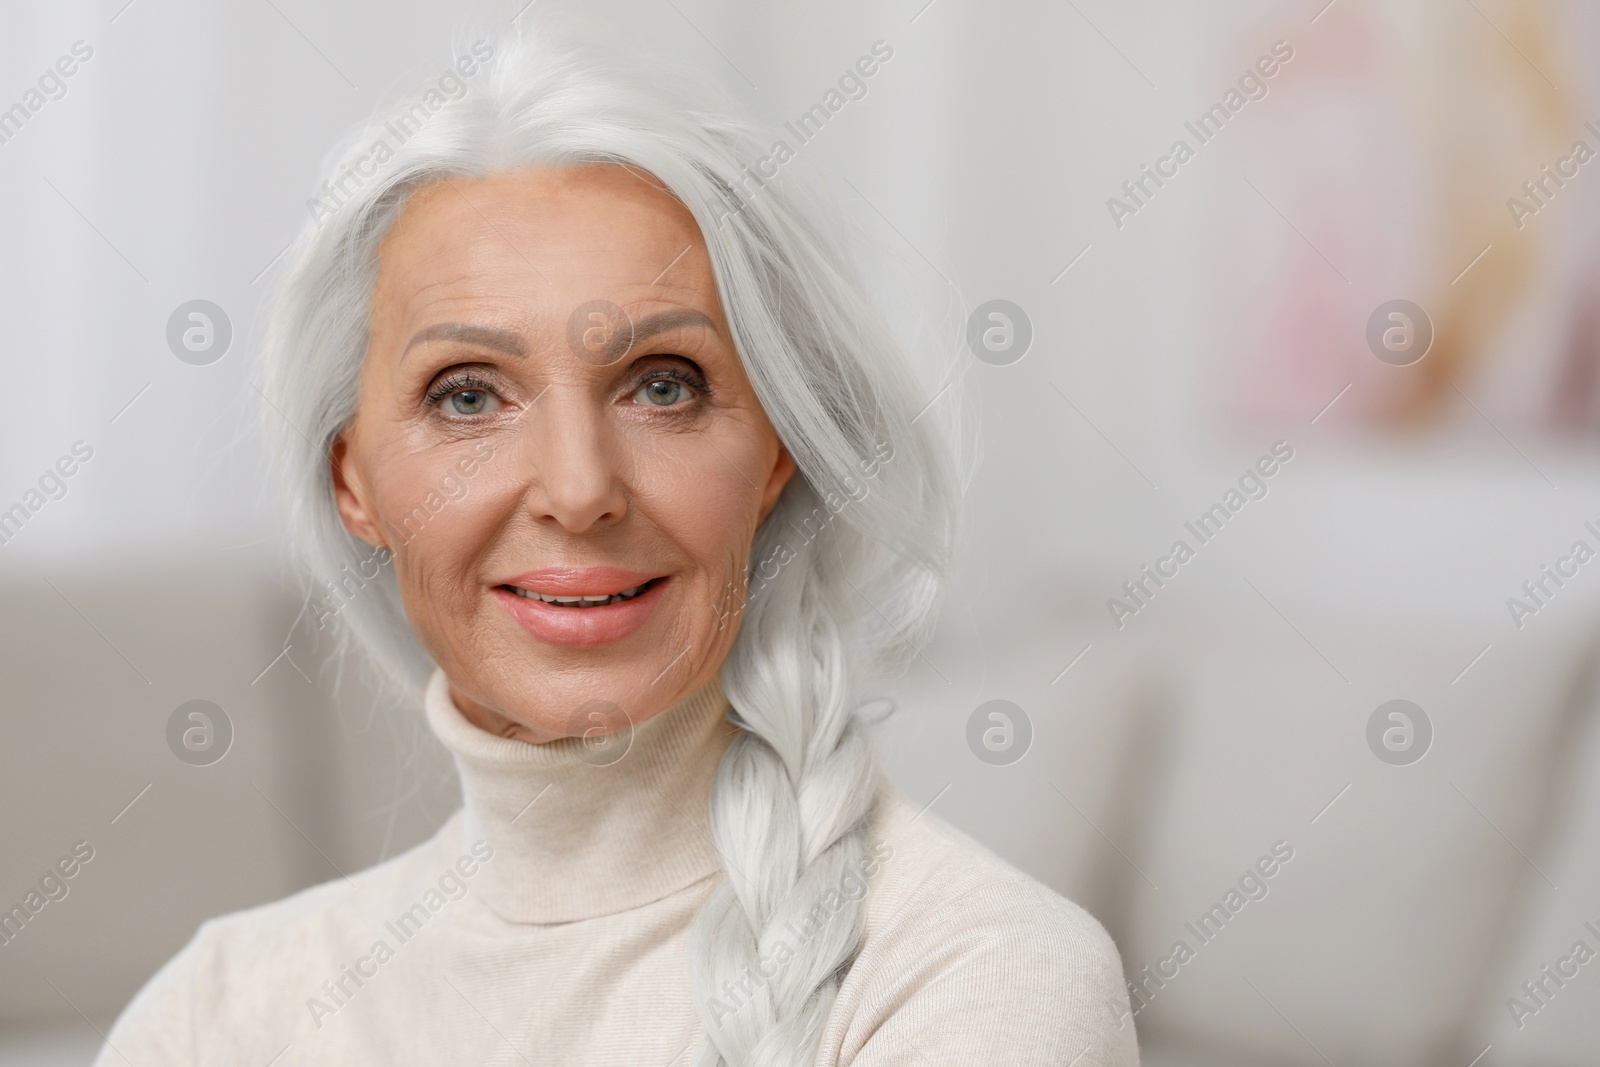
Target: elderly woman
[637, 475]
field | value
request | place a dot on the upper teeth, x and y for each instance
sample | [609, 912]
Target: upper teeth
[581, 601]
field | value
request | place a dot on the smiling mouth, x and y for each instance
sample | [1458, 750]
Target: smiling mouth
[583, 601]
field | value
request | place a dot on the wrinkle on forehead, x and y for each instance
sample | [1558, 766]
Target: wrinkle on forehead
[521, 245]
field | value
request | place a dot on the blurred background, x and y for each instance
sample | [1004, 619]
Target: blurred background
[1174, 315]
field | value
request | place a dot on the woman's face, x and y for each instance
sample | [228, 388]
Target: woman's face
[551, 404]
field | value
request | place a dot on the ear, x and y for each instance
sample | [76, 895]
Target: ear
[350, 495]
[779, 477]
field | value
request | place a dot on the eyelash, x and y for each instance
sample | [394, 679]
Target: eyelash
[458, 382]
[455, 384]
[693, 381]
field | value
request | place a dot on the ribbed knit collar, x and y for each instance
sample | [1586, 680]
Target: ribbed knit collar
[573, 840]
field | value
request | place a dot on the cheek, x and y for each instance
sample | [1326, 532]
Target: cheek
[437, 522]
[702, 490]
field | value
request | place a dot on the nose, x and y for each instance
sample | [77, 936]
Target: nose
[573, 459]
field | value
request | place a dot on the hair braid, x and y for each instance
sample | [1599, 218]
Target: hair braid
[789, 808]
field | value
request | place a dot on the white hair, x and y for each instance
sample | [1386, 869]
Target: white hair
[851, 568]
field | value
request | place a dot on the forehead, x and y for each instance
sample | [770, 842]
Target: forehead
[545, 236]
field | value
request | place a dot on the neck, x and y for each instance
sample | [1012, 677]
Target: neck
[581, 830]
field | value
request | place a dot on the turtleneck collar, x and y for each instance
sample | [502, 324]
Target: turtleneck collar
[575, 840]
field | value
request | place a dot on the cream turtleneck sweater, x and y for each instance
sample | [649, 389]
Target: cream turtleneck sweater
[547, 922]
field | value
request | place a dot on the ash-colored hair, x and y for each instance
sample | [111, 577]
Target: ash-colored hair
[848, 570]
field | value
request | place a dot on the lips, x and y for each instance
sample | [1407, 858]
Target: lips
[579, 581]
[581, 607]
[583, 600]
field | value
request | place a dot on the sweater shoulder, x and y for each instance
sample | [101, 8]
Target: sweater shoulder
[938, 871]
[965, 953]
[338, 902]
[233, 972]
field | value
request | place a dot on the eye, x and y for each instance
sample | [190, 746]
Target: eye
[667, 388]
[663, 392]
[469, 401]
[464, 394]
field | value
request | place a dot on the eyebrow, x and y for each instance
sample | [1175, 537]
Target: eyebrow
[510, 342]
[506, 341]
[652, 325]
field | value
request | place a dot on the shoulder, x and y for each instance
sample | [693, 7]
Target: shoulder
[934, 872]
[304, 925]
[966, 954]
[231, 974]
